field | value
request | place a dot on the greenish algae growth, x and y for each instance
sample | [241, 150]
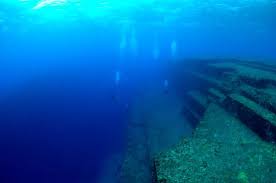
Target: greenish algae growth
[243, 178]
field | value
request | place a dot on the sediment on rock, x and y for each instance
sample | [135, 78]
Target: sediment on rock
[235, 134]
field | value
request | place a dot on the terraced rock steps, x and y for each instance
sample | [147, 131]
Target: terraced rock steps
[222, 149]
[231, 105]
[216, 95]
[259, 119]
[242, 87]
[264, 97]
[194, 105]
[248, 74]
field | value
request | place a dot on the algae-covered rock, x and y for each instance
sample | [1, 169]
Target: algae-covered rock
[155, 124]
[222, 150]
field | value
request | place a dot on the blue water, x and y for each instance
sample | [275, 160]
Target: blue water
[63, 108]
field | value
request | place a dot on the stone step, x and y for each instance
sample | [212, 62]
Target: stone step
[259, 96]
[197, 101]
[217, 95]
[258, 65]
[191, 116]
[256, 77]
[207, 81]
[256, 117]
[194, 106]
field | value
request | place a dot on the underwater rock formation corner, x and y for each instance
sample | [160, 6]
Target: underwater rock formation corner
[232, 105]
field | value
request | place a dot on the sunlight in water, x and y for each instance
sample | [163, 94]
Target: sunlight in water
[44, 3]
[155, 12]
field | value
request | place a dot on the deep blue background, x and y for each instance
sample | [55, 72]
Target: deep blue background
[61, 112]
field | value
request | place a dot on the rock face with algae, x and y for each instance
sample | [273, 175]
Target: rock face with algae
[155, 124]
[231, 107]
[231, 104]
[222, 149]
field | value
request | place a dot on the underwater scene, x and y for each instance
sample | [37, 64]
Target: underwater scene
[137, 91]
